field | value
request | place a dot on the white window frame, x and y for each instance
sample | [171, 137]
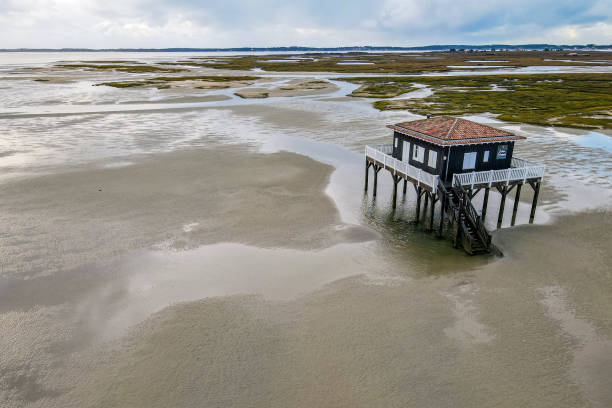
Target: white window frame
[405, 151]
[485, 156]
[432, 159]
[418, 153]
[469, 160]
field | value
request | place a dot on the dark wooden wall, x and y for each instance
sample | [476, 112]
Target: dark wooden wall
[455, 164]
[397, 152]
[454, 155]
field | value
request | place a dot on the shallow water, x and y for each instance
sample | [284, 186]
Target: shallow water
[222, 253]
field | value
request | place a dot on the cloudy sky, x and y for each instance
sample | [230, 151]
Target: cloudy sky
[261, 23]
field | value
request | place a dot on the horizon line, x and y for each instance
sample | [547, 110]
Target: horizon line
[533, 46]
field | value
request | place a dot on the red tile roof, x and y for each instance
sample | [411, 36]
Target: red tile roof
[446, 130]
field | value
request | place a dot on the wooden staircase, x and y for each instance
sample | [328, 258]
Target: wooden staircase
[468, 228]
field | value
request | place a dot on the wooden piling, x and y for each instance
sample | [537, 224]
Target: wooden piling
[534, 203]
[457, 237]
[517, 196]
[433, 209]
[425, 205]
[396, 180]
[485, 201]
[500, 217]
[367, 172]
[418, 203]
[376, 170]
[442, 205]
[405, 186]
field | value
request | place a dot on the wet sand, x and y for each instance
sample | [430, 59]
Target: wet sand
[224, 255]
[173, 201]
[388, 342]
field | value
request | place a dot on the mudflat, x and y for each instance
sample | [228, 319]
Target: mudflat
[378, 340]
[208, 250]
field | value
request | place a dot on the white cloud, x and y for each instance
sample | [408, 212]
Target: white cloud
[580, 34]
[229, 23]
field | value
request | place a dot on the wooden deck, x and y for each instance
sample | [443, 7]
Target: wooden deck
[456, 198]
[521, 172]
[380, 155]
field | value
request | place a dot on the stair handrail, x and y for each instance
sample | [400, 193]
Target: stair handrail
[482, 232]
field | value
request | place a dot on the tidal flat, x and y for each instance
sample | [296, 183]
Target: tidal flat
[397, 62]
[570, 100]
[187, 247]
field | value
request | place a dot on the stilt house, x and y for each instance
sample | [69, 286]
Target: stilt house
[451, 160]
[444, 146]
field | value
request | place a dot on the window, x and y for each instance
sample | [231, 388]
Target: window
[469, 160]
[485, 158]
[502, 150]
[405, 151]
[432, 160]
[395, 141]
[418, 153]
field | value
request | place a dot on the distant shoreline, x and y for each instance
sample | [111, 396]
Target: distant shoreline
[448, 47]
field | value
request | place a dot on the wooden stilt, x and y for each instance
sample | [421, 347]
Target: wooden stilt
[432, 212]
[457, 236]
[367, 172]
[418, 203]
[376, 170]
[396, 179]
[425, 205]
[405, 185]
[442, 205]
[517, 196]
[485, 201]
[534, 203]
[500, 217]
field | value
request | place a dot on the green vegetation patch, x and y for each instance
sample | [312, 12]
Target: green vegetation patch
[113, 62]
[208, 78]
[126, 84]
[122, 68]
[570, 100]
[252, 94]
[163, 82]
[382, 90]
[401, 63]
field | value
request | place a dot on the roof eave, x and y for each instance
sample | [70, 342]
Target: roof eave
[454, 142]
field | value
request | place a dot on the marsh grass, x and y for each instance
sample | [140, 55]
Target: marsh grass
[382, 90]
[571, 100]
[393, 62]
[162, 82]
[208, 78]
[121, 68]
[112, 62]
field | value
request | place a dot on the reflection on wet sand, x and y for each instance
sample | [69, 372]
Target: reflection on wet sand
[592, 362]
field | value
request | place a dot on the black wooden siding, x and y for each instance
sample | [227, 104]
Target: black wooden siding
[397, 152]
[455, 156]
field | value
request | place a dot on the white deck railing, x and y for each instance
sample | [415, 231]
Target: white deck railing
[382, 154]
[521, 170]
